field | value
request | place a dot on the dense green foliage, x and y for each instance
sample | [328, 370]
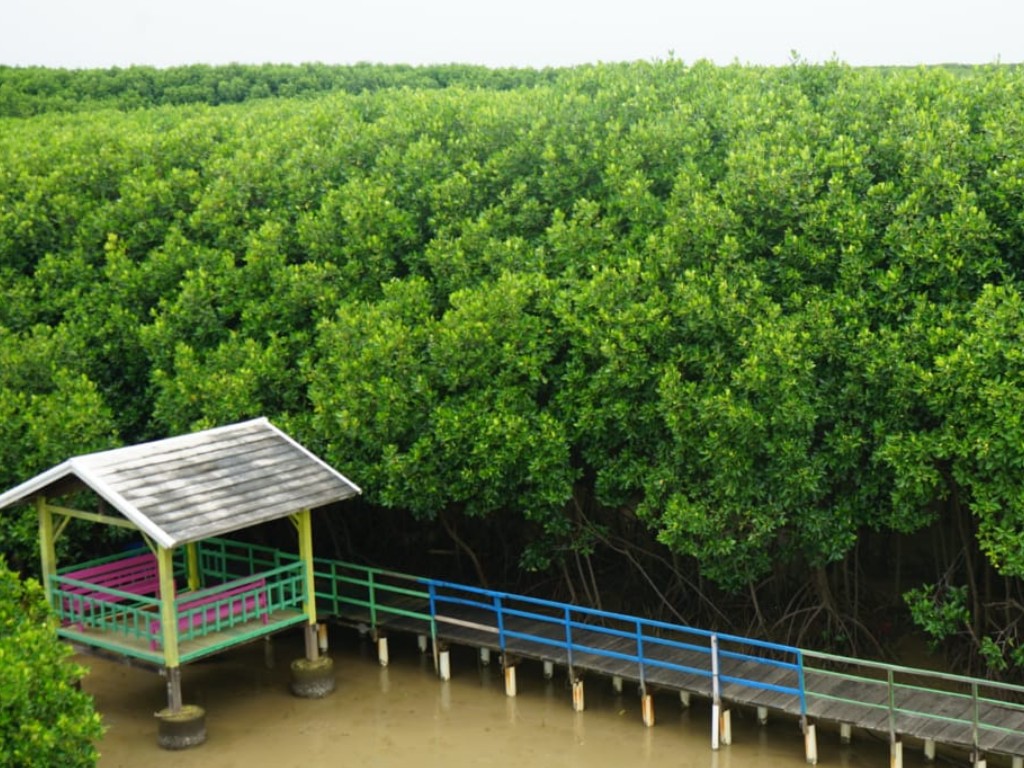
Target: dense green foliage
[44, 719]
[26, 91]
[733, 327]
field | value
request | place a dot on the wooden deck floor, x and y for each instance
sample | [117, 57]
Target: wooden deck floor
[946, 718]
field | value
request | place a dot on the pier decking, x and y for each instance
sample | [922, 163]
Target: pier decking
[979, 716]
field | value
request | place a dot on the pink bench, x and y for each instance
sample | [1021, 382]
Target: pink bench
[138, 575]
[244, 597]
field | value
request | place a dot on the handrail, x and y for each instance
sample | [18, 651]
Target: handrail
[640, 631]
[569, 625]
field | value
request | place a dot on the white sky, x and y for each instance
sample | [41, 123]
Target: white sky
[103, 33]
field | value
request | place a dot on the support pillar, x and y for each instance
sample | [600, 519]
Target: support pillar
[444, 664]
[192, 566]
[647, 709]
[549, 670]
[322, 639]
[929, 749]
[980, 761]
[421, 643]
[846, 734]
[577, 695]
[47, 548]
[382, 649]
[762, 715]
[684, 699]
[173, 675]
[616, 683]
[510, 677]
[716, 724]
[268, 651]
[811, 744]
[1018, 762]
[179, 726]
[485, 657]
[726, 728]
[312, 646]
[896, 754]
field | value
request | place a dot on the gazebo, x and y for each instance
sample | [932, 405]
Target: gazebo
[187, 592]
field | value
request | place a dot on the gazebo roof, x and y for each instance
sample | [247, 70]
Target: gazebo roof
[195, 486]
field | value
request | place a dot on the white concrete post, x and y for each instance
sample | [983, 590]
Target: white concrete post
[616, 683]
[896, 754]
[762, 715]
[647, 709]
[444, 665]
[726, 730]
[421, 643]
[845, 733]
[684, 699]
[510, 680]
[577, 695]
[549, 670]
[811, 744]
[929, 749]
[485, 656]
[382, 650]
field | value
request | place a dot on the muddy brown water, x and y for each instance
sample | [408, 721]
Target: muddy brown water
[403, 715]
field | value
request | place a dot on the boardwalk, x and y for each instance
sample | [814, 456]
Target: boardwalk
[975, 715]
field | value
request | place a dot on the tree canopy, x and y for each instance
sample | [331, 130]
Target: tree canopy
[44, 718]
[726, 325]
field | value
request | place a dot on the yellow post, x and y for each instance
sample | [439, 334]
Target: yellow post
[47, 550]
[168, 615]
[304, 526]
[192, 555]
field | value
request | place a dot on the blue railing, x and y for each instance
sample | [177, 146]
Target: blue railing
[661, 652]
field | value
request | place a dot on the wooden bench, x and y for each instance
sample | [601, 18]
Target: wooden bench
[246, 596]
[137, 575]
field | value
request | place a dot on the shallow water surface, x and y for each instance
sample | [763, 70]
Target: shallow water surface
[403, 715]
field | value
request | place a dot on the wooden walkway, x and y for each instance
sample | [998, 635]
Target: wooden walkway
[893, 701]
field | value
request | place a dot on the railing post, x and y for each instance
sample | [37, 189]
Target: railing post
[801, 681]
[500, 618]
[892, 706]
[568, 641]
[716, 694]
[974, 720]
[640, 655]
[373, 599]
[433, 625]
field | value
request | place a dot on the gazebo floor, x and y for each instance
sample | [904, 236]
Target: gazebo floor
[188, 650]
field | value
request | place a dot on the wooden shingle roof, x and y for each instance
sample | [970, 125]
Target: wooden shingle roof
[204, 484]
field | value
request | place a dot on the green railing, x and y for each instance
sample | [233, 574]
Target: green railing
[270, 583]
[357, 591]
[122, 614]
[255, 597]
[889, 691]
[224, 559]
[353, 592]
